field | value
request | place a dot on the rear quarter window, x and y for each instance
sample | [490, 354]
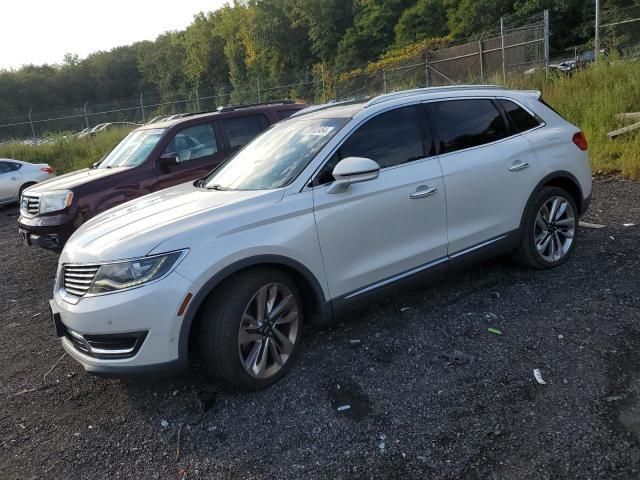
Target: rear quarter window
[241, 130]
[520, 118]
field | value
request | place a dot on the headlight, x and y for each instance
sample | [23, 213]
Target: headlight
[114, 277]
[54, 201]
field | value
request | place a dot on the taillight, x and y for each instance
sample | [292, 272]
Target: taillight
[48, 170]
[580, 140]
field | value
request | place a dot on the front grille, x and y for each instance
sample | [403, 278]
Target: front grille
[29, 205]
[77, 279]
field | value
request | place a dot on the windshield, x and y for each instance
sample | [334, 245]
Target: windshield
[276, 158]
[133, 149]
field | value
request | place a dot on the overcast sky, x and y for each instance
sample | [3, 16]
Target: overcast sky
[42, 31]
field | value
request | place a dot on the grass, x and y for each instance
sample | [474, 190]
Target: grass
[66, 154]
[590, 98]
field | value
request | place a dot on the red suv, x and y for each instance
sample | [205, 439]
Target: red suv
[157, 155]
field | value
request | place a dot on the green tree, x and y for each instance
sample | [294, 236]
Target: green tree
[426, 19]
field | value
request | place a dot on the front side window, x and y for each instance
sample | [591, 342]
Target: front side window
[276, 157]
[392, 138]
[241, 130]
[522, 119]
[133, 149]
[467, 123]
[193, 142]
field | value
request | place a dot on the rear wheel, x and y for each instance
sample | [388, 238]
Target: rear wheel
[550, 229]
[251, 329]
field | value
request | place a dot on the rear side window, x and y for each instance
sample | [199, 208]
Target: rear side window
[522, 119]
[241, 130]
[4, 167]
[194, 142]
[282, 114]
[467, 123]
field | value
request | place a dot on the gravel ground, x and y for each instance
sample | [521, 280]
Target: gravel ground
[415, 413]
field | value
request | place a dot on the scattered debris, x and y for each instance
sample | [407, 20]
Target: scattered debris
[596, 226]
[13, 325]
[612, 237]
[382, 444]
[560, 336]
[36, 389]
[628, 116]
[538, 374]
[621, 131]
[628, 224]
[344, 408]
[495, 295]
[21, 425]
[178, 447]
[404, 309]
[494, 331]
[354, 341]
[164, 423]
[54, 366]
[458, 357]
[614, 398]
[491, 316]
[36, 315]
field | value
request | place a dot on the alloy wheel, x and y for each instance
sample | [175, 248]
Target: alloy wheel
[554, 229]
[268, 330]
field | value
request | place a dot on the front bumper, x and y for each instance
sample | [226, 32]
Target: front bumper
[95, 331]
[47, 231]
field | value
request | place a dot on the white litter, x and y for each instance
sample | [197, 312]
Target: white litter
[164, 423]
[538, 374]
[628, 224]
[343, 408]
[404, 309]
[353, 342]
[612, 237]
[597, 226]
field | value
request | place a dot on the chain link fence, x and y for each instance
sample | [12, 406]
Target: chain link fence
[515, 45]
[620, 31]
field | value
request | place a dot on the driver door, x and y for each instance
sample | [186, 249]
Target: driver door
[198, 150]
[9, 182]
[384, 230]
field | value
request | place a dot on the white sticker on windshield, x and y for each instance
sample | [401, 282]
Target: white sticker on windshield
[317, 131]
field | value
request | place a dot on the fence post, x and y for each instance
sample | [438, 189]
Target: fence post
[33, 131]
[86, 117]
[546, 40]
[198, 100]
[384, 80]
[324, 90]
[258, 83]
[504, 66]
[597, 36]
[481, 61]
[142, 109]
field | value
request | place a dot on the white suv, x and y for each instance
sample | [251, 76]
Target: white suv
[324, 210]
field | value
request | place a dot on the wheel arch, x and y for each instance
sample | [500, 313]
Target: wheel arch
[313, 295]
[562, 179]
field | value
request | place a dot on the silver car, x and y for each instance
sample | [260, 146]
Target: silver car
[15, 176]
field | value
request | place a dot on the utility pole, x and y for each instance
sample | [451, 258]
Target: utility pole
[597, 37]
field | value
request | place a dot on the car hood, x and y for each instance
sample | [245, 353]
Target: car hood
[135, 228]
[73, 179]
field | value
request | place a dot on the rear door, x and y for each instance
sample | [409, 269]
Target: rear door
[10, 181]
[199, 150]
[488, 170]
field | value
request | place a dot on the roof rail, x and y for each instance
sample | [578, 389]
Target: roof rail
[231, 108]
[323, 106]
[419, 91]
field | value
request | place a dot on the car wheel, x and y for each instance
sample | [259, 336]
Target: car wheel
[251, 329]
[550, 229]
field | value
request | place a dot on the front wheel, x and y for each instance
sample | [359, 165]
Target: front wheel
[251, 329]
[550, 229]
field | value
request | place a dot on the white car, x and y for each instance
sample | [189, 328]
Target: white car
[323, 211]
[15, 176]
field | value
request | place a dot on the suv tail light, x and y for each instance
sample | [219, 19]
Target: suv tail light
[580, 140]
[48, 170]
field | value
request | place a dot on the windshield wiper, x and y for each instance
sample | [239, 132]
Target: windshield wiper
[218, 187]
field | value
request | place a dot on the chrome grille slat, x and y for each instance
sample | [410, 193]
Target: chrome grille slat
[32, 206]
[78, 278]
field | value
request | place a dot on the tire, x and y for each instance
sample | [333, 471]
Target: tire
[561, 232]
[226, 323]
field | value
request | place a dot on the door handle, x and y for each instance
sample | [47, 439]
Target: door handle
[14, 178]
[423, 192]
[518, 166]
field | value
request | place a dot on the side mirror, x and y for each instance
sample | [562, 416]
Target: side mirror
[168, 160]
[353, 170]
